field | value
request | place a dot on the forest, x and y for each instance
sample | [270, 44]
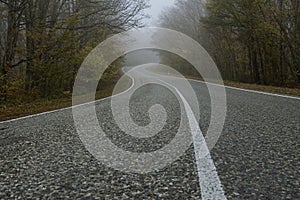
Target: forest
[43, 42]
[255, 41]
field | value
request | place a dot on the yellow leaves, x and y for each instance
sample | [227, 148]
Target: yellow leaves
[67, 92]
[13, 90]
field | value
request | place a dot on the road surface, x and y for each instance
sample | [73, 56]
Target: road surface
[256, 157]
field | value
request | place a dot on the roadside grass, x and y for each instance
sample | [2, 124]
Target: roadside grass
[261, 88]
[264, 88]
[40, 106]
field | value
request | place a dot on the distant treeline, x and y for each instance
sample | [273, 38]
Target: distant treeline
[43, 42]
[256, 41]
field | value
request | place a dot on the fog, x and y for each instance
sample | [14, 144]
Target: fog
[157, 6]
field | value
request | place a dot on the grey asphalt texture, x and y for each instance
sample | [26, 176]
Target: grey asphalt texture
[257, 156]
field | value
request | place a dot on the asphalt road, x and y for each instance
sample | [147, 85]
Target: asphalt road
[256, 157]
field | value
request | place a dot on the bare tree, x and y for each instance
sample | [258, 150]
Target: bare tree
[184, 17]
[46, 38]
[251, 41]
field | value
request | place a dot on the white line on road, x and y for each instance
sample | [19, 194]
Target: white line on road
[247, 90]
[229, 87]
[235, 88]
[210, 184]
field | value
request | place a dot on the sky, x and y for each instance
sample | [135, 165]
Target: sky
[157, 6]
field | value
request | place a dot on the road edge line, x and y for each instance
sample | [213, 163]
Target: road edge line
[211, 187]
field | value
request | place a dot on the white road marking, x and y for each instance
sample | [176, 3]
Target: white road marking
[247, 90]
[210, 184]
[235, 88]
[229, 87]
[211, 187]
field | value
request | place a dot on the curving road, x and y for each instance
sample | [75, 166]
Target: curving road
[256, 157]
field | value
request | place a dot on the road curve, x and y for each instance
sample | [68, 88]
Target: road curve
[256, 157]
